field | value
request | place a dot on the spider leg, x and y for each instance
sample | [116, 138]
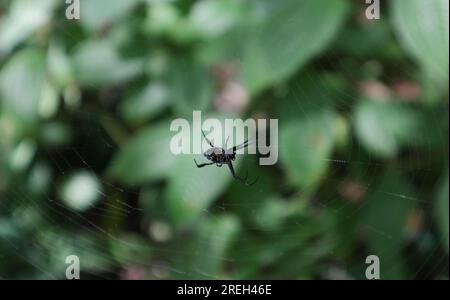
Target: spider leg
[209, 142]
[227, 150]
[241, 146]
[242, 180]
[202, 165]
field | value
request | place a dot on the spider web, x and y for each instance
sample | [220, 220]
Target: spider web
[118, 220]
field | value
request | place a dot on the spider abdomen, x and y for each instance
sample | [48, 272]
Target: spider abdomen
[218, 155]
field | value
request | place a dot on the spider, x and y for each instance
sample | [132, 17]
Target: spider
[220, 156]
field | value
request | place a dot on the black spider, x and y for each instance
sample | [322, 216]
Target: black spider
[220, 156]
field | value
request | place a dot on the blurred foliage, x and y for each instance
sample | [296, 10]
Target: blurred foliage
[85, 166]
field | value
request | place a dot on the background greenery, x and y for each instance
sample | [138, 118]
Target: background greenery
[85, 168]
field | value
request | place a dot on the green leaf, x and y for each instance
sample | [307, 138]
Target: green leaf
[162, 18]
[59, 65]
[204, 253]
[191, 190]
[288, 254]
[90, 248]
[24, 17]
[297, 32]
[21, 84]
[151, 101]
[22, 155]
[369, 40]
[386, 211]
[441, 210]
[310, 92]
[131, 249]
[423, 29]
[214, 18]
[146, 157]
[99, 13]
[39, 179]
[383, 127]
[191, 87]
[272, 49]
[305, 147]
[97, 62]
[55, 134]
[273, 212]
[266, 188]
